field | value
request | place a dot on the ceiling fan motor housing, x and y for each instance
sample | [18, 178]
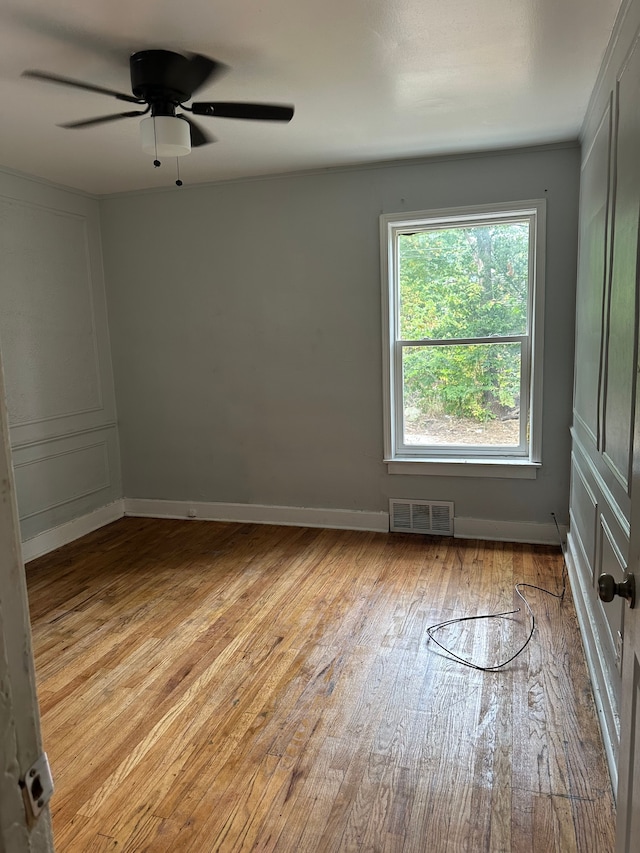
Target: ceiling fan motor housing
[160, 76]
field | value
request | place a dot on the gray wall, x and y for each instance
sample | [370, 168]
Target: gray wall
[55, 349]
[246, 335]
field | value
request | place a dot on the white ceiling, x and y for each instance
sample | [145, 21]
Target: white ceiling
[371, 80]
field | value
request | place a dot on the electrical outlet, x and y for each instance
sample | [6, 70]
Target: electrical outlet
[619, 652]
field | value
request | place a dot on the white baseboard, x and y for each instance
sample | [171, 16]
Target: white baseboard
[508, 531]
[340, 519]
[49, 540]
[606, 705]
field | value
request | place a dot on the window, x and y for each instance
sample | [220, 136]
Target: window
[463, 301]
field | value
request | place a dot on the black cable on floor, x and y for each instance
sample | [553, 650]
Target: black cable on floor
[495, 667]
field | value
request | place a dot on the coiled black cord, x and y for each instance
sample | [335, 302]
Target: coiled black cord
[518, 587]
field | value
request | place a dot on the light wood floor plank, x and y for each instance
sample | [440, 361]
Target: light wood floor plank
[220, 687]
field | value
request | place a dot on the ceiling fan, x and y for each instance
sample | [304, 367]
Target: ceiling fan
[162, 81]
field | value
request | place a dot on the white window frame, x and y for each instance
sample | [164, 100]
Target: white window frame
[459, 459]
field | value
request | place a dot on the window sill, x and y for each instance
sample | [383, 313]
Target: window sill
[520, 469]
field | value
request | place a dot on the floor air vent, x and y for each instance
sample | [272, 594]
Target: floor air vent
[421, 517]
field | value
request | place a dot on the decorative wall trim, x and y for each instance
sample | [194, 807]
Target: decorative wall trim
[534, 533]
[36, 442]
[49, 540]
[51, 185]
[617, 473]
[23, 202]
[99, 487]
[618, 28]
[340, 519]
[579, 544]
[82, 220]
[604, 489]
[606, 705]
[581, 479]
[577, 417]
[49, 418]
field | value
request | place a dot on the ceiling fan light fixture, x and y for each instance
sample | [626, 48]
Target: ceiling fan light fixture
[165, 136]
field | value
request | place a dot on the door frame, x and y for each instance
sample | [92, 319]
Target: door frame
[20, 733]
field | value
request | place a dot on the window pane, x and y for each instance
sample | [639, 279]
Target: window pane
[462, 395]
[464, 282]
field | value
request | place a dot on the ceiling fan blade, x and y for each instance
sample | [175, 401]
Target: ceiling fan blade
[79, 84]
[198, 135]
[203, 70]
[229, 109]
[88, 122]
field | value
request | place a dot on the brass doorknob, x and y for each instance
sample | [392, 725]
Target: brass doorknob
[608, 588]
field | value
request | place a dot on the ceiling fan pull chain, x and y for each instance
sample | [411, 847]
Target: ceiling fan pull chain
[178, 182]
[156, 162]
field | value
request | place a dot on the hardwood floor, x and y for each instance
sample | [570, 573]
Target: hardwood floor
[220, 687]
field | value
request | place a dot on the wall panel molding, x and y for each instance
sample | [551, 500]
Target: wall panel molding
[618, 370]
[590, 470]
[604, 695]
[73, 433]
[593, 276]
[56, 353]
[59, 479]
[48, 317]
[66, 476]
[583, 513]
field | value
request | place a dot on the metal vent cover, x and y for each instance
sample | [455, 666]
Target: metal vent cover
[435, 517]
